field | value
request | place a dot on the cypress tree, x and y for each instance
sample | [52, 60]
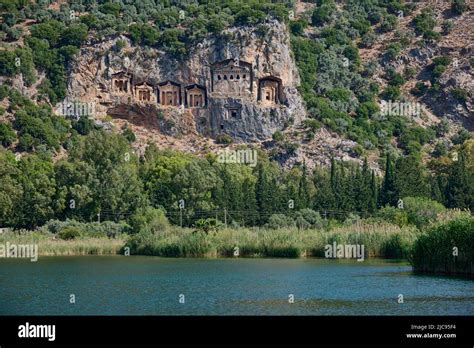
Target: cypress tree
[388, 194]
[249, 202]
[373, 193]
[459, 189]
[303, 190]
[264, 195]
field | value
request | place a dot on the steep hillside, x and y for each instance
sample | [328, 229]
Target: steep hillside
[354, 58]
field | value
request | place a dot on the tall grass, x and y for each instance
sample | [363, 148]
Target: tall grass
[379, 240]
[435, 250]
[47, 246]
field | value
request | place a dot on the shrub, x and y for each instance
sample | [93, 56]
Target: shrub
[460, 94]
[419, 89]
[389, 23]
[434, 250]
[224, 139]
[69, 233]
[149, 220]
[309, 218]
[7, 135]
[458, 6]
[129, 135]
[89, 229]
[393, 215]
[207, 225]
[277, 221]
[424, 22]
[391, 93]
[421, 211]
[278, 136]
[312, 124]
[322, 14]
[392, 50]
[447, 27]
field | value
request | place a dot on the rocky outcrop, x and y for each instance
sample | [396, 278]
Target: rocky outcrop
[267, 52]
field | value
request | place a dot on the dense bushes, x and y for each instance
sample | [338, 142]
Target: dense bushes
[446, 248]
[70, 229]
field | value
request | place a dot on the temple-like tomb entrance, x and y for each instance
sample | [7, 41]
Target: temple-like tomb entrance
[269, 90]
[121, 82]
[232, 77]
[144, 92]
[195, 96]
[169, 93]
[233, 110]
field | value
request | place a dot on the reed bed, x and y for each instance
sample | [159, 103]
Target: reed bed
[379, 240]
[447, 248]
[48, 246]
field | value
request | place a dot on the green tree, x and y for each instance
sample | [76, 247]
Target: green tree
[388, 193]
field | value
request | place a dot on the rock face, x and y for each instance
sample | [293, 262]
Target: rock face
[241, 83]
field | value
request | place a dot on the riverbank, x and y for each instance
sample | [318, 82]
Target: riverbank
[443, 248]
[379, 240]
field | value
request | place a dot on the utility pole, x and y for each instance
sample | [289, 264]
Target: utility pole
[98, 217]
[225, 217]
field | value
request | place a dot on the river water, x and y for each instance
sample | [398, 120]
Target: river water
[135, 285]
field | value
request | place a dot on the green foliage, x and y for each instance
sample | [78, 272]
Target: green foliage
[149, 220]
[389, 23]
[7, 63]
[207, 225]
[278, 136]
[392, 50]
[279, 221]
[110, 8]
[224, 139]
[69, 233]
[421, 211]
[129, 135]
[446, 248]
[393, 215]
[460, 94]
[458, 6]
[424, 22]
[7, 135]
[391, 93]
[85, 229]
[419, 89]
[322, 13]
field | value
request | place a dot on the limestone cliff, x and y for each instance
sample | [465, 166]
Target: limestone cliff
[245, 114]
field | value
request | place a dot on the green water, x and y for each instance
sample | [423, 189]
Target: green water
[119, 285]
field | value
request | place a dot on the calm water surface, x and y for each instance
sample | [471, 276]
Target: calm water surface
[119, 285]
